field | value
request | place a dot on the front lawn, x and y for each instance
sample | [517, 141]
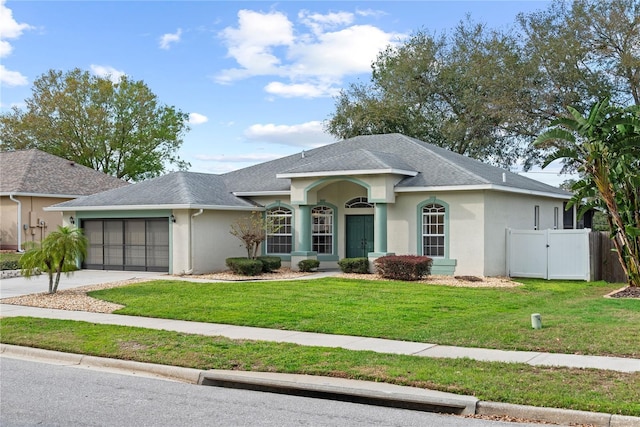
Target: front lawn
[575, 316]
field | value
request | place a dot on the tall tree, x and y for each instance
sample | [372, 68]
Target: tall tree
[461, 91]
[117, 128]
[604, 147]
[488, 93]
[58, 253]
[584, 51]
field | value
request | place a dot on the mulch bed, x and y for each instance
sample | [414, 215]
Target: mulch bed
[628, 292]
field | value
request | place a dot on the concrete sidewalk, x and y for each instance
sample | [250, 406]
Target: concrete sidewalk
[326, 340]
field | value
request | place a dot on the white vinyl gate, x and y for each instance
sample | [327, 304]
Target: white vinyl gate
[548, 254]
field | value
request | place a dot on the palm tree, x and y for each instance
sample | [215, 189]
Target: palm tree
[58, 253]
[604, 147]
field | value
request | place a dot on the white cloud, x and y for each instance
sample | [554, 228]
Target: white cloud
[197, 119]
[107, 72]
[371, 12]
[304, 90]
[251, 44]
[167, 39]
[10, 29]
[11, 78]
[311, 60]
[309, 135]
[318, 23]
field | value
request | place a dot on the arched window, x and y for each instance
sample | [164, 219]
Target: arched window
[358, 202]
[322, 230]
[280, 236]
[433, 230]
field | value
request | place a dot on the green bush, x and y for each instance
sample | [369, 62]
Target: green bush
[403, 267]
[9, 264]
[270, 263]
[307, 265]
[354, 265]
[245, 266]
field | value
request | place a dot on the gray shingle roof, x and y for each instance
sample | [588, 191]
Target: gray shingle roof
[358, 160]
[437, 166]
[174, 189]
[36, 172]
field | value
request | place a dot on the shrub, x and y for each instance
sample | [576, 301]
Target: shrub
[307, 265]
[270, 263]
[403, 267]
[245, 266]
[9, 264]
[354, 265]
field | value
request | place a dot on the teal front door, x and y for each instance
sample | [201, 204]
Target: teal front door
[359, 235]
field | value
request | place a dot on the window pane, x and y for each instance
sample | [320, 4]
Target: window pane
[279, 239]
[322, 229]
[433, 230]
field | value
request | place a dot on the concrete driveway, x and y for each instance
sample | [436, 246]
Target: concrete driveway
[17, 286]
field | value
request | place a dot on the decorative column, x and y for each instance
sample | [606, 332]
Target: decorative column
[304, 238]
[380, 228]
[380, 235]
[304, 233]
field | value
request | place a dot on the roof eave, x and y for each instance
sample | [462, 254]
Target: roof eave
[389, 171]
[491, 187]
[261, 193]
[54, 196]
[150, 207]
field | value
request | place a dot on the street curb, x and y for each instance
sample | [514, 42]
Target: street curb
[187, 375]
[371, 393]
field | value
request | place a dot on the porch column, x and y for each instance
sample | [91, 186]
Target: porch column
[380, 228]
[304, 243]
[303, 250]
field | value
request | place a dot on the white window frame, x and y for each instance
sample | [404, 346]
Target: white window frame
[277, 214]
[434, 226]
[322, 228]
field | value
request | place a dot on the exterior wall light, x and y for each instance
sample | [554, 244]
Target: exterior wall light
[72, 220]
[172, 218]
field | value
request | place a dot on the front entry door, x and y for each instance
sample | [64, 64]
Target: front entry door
[359, 235]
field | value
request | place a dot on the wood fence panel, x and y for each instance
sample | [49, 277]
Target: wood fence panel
[604, 259]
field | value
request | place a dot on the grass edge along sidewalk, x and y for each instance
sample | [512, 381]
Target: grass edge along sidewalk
[577, 389]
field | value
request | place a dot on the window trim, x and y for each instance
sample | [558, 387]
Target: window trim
[363, 201]
[419, 225]
[291, 226]
[334, 236]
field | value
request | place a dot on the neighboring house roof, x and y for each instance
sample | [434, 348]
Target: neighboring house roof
[423, 166]
[172, 191]
[34, 172]
[438, 168]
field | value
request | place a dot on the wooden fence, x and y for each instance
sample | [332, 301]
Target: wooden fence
[604, 259]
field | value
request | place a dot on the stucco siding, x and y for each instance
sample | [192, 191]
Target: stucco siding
[507, 210]
[39, 222]
[465, 237]
[212, 242]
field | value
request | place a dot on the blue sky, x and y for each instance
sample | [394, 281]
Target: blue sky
[257, 78]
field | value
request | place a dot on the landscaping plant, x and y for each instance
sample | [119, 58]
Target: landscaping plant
[58, 253]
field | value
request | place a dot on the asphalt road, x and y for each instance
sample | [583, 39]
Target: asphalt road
[34, 393]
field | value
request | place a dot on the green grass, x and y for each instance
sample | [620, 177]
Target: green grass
[8, 257]
[579, 389]
[575, 316]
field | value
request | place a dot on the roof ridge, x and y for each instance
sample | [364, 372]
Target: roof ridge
[31, 154]
[444, 159]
